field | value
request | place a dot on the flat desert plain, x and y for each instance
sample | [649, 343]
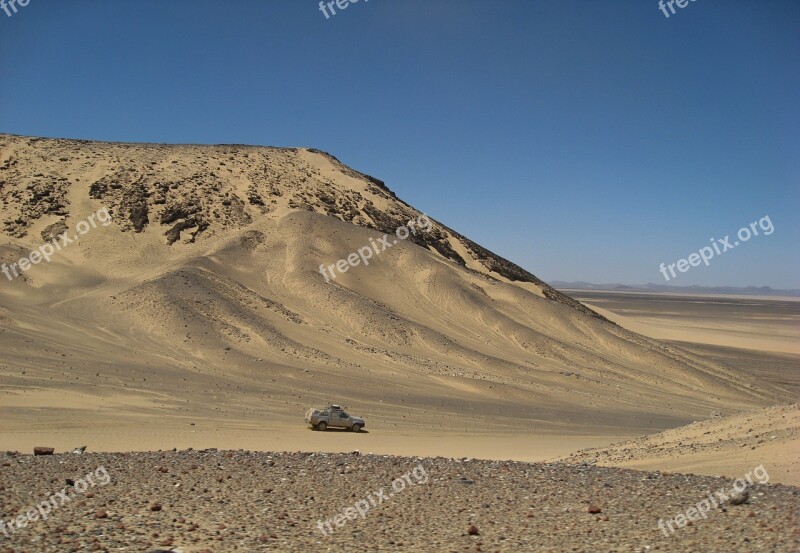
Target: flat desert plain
[756, 335]
[759, 323]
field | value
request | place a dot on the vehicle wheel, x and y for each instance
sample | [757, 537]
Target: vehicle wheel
[356, 428]
[322, 427]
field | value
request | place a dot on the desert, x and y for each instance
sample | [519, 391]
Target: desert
[218, 335]
[428, 277]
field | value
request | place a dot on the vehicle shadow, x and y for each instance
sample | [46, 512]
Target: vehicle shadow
[344, 430]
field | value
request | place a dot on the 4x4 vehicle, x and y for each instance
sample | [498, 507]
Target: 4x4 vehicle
[333, 416]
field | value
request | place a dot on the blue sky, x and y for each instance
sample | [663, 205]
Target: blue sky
[583, 140]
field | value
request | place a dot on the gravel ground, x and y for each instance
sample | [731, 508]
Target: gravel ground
[216, 501]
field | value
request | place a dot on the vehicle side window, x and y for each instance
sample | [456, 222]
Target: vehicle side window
[325, 413]
[344, 415]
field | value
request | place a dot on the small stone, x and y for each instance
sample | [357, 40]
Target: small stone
[740, 498]
[101, 514]
[473, 530]
[593, 509]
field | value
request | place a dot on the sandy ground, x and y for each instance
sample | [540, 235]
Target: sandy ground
[758, 336]
[243, 501]
[779, 369]
[510, 446]
[729, 446]
[770, 324]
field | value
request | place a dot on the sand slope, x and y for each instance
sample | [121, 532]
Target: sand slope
[202, 304]
[730, 445]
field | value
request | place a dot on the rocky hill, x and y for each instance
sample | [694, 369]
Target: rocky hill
[203, 298]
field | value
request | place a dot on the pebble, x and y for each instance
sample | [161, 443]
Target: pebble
[253, 501]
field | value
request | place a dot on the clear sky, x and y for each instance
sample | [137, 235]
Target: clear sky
[584, 140]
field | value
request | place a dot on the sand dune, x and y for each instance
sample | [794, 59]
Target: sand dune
[202, 304]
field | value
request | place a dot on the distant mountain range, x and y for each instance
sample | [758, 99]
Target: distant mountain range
[650, 287]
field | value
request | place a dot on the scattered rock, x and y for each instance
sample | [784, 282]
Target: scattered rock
[520, 502]
[740, 498]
